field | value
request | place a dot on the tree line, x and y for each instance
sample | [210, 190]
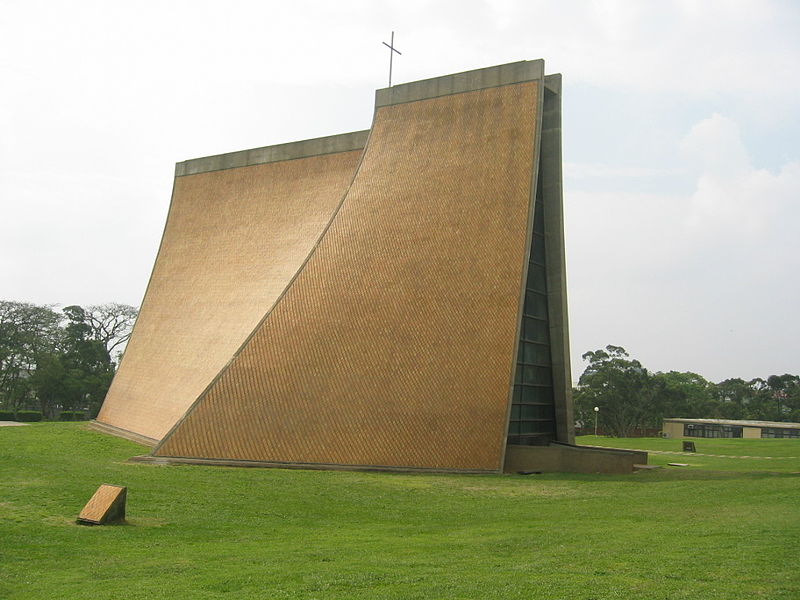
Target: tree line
[54, 360]
[631, 399]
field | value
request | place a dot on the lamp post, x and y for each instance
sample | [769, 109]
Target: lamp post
[596, 410]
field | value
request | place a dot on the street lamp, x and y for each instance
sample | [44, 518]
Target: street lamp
[596, 410]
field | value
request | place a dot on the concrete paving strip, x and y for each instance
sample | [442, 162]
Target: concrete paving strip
[11, 424]
[721, 455]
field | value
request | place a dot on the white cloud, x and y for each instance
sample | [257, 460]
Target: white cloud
[72, 241]
[733, 197]
[605, 171]
[715, 146]
[705, 281]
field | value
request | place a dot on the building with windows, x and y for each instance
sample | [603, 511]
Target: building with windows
[385, 299]
[723, 428]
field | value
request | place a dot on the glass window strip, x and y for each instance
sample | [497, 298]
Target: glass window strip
[533, 407]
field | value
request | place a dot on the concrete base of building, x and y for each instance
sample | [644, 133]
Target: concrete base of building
[556, 458]
[568, 458]
[223, 462]
[123, 433]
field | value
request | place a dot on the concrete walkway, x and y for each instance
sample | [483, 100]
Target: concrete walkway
[721, 455]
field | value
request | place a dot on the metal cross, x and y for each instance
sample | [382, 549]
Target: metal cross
[392, 50]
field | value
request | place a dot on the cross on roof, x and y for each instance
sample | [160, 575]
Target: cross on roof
[392, 50]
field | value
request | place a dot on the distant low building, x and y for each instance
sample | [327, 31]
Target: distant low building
[724, 428]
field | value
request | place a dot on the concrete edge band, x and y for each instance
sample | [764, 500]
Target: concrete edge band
[332, 144]
[529, 222]
[458, 83]
[555, 258]
[264, 464]
[132, 436]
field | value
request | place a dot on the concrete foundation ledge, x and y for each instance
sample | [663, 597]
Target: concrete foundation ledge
[568, 458]
[228, 462]
[123, 433]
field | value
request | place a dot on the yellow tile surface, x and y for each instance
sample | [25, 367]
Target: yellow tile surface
[394, 345]
[99, 503]
[233, 241]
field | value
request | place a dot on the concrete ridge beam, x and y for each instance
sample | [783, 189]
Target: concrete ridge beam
[330, 144]
[553, 83]
[457, 83]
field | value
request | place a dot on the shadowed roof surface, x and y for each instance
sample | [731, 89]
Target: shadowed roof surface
[234, 239]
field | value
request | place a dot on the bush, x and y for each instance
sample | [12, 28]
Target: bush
[29, 415]
[7, 415]
[72, 415]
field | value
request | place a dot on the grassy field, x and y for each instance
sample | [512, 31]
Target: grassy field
[769, 455]
[719, 528]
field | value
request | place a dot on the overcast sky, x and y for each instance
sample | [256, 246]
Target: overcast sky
[681, 144]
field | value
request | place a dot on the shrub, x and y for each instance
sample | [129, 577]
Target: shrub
[7, 415]
[29, 415]
[72, 415]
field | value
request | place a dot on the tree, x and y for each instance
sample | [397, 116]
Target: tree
[110, 324]
[26, 331]
[686, 395]
[731, 399]
[88, 368]
[59, 360]
[619, 387]
[774, 397]
[48, 382]
[791, 397]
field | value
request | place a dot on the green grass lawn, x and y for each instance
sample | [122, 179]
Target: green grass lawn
[720, 528]
[767, 455]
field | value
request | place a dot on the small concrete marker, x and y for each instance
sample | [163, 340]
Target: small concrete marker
[678, 464]
[107, 506]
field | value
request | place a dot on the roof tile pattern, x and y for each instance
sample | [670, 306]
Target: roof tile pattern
[393, 347]
[233, 241]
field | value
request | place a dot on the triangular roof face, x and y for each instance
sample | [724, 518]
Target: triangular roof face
[239, 228]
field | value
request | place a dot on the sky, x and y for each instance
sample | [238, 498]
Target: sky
[681, 125]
